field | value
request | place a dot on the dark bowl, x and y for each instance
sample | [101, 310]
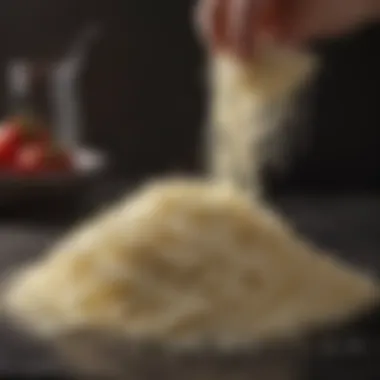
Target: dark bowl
[52, 189]
[92, 354]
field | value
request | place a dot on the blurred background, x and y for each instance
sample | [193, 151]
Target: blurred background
[142, 93]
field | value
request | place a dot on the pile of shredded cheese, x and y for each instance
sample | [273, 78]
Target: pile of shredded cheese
[184, 262]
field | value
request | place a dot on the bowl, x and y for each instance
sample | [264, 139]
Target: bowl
[20, 188]
[93, 354]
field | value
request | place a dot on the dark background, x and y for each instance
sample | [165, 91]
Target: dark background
[144, 101]
[144, 97]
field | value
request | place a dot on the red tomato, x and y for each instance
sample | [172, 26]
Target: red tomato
[60, 162]
[40, 158]
[11, 138]
[30, 159]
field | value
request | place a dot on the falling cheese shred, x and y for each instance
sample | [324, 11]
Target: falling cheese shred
[250, 103]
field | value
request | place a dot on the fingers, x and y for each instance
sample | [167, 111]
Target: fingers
[280, 17]
[244, 15]
[237, 25]
[220, 21]
[228, 24]
[211, 21]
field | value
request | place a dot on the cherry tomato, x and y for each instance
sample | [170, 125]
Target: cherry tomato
[11, 139]
[30, 159]
[60, 161]
[37, 158]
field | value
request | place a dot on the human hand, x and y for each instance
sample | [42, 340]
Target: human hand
[239, 25]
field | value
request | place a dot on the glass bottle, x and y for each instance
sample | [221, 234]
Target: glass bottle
[47, 92]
